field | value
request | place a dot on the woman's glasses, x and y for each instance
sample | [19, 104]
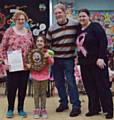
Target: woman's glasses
[21, 19]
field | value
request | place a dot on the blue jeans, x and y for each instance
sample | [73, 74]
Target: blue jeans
[63, 72]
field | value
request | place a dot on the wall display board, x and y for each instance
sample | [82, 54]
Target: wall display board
[106, 19]
[37, 11]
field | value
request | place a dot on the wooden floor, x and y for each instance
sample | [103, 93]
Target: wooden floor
[52, 103]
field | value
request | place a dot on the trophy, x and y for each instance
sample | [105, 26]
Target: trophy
[37, 60]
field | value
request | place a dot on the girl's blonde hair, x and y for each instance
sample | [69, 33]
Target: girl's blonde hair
[19, 13]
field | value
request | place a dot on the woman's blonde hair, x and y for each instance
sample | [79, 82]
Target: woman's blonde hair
[19, 13]
[60, 6]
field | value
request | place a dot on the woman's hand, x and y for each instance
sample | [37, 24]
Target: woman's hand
[1, 61]
[8, 67]
[100, 63]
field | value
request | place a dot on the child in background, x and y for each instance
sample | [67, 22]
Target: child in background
[40, 80]
[111, 66]
[2, 69]
[78, 77]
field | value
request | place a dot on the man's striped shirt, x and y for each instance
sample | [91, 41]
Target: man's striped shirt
[61, 39]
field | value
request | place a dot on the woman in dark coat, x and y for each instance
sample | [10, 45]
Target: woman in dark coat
[92, 53]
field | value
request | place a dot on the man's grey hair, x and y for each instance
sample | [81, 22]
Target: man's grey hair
[60, 6]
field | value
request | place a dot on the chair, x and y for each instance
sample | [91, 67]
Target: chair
[3, 84]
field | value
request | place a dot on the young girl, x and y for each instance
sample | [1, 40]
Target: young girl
[40, 78]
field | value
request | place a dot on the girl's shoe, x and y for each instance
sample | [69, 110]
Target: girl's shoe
[36, 113]
[44, 114]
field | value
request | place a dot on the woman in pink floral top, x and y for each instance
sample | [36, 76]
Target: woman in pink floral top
[17, 38]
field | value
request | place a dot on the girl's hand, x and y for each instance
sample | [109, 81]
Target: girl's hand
[28, 66]
[100, 63]
[46, 55]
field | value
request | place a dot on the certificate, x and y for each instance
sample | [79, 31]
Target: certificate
[15, 60]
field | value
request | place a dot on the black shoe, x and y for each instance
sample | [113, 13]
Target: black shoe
[89, 114]
[75, 112]
[109, 116]
[61, 108]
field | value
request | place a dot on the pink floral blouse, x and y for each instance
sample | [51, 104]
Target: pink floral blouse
[12, 41]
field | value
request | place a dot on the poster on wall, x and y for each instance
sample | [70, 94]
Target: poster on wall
[37, 11]
[106, 19]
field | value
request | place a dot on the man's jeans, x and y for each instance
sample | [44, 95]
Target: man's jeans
[63, 72]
